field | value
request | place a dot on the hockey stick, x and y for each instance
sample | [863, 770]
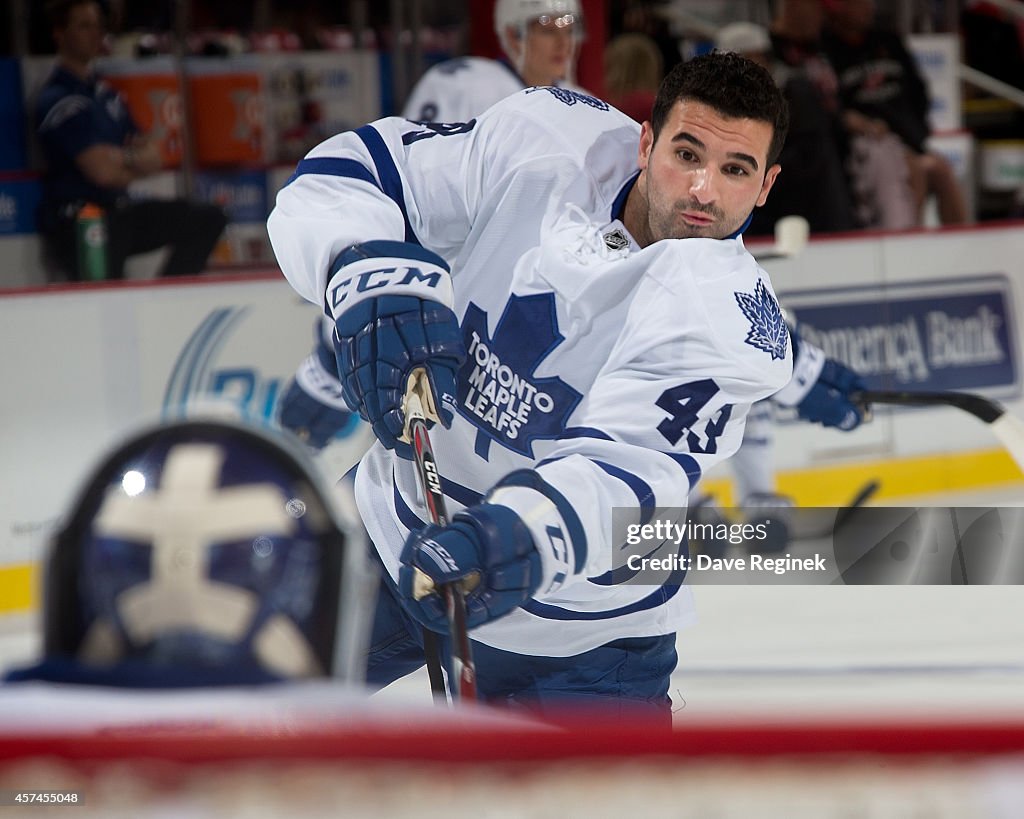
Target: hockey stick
[1006, 427]
[791, 234]
[417, 396]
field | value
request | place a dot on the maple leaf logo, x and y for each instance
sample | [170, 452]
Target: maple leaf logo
[498, 391]
[569, 97]
[768, 330]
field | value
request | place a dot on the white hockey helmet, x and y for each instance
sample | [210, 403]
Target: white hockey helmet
[517, 13]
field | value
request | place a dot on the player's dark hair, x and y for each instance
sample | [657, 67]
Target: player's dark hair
[732, 85]
[58, 12]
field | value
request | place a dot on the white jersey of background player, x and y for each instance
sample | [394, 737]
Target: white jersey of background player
[608, 367]
[540, 38]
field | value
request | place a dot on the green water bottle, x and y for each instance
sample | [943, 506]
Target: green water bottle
[92, 243]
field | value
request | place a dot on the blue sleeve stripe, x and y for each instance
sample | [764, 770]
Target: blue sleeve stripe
[689, 465]
[387, 172]
[332, 166]
[410, 520]
[643, 491]
[459, 494]
[624, 574]
[656, 598]
[584, 432]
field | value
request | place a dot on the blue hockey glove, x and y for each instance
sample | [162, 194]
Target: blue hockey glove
[489, 548]
[820, 388]
[828, 402]
[391, 305]
[313, 406]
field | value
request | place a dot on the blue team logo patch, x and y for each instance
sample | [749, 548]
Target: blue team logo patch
[498, 391]
[768, 330]
[453, 66]
[564, 95]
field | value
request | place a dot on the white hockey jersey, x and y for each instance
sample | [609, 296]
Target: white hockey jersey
[458, 90]
[620, 374]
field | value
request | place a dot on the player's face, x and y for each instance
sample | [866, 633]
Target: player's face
[702, 177]
[82, 40]
[549, 49]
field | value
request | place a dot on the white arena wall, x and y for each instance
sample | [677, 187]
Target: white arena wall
[83, 365]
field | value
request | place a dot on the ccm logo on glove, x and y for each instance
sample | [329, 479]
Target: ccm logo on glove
[397, 278]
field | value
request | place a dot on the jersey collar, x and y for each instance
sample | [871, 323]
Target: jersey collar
[619, 204]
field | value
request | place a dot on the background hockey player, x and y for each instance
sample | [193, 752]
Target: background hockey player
[540, 40]
[580, 357]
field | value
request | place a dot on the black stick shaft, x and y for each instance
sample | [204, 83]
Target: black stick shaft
[463, 669]
[977, 405]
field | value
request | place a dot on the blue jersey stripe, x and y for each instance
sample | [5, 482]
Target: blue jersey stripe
[689, 465]
[584, 432]
[410, 520]
[332, 166]
[387, 172]
[643, 491]
[623, 574]
[662, 595]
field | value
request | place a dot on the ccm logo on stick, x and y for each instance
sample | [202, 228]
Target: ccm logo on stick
[433, 479]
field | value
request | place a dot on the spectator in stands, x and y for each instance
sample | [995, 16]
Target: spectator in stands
[632, 73]
[94, 151]
[883, 93]
[812, 183]
[652, 18]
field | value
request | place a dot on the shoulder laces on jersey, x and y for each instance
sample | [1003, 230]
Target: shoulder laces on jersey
[583, 238]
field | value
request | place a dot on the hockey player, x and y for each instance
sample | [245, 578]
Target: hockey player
[580, 356]
[205, 553]
[540, 40]
[533, 34]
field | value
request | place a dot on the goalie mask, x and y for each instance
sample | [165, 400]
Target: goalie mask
[207, 551]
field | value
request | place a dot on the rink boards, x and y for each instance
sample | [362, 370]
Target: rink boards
[84, 365]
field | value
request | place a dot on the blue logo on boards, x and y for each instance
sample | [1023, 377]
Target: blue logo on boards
[768, 330]
[215, 371]
[498, 392]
